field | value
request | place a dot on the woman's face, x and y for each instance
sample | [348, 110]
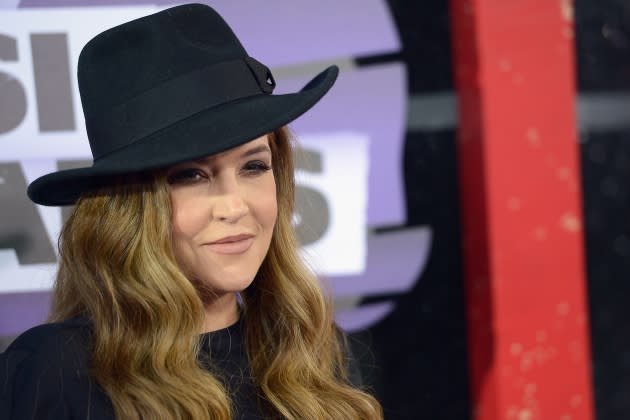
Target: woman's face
[224, 212]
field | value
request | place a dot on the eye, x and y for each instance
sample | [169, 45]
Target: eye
[186, 176]
[256, 167]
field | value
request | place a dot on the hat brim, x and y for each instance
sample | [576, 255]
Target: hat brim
[204, 134]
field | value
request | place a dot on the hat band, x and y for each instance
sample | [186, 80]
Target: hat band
[175, 100]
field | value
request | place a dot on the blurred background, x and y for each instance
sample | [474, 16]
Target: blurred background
[401, 293]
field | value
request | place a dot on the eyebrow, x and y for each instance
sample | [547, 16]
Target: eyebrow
[263, 148]
[255, 150]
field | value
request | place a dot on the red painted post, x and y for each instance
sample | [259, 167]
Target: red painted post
[528, 337]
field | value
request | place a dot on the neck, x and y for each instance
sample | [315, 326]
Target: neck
[220, 312]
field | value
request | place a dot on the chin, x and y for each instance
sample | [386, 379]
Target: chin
[229, 284]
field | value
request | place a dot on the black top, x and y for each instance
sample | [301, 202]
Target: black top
[44, 374]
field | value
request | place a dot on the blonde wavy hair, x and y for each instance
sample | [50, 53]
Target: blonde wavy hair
[118, 269]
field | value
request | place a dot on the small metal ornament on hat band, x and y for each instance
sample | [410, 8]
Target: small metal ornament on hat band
[175, 100]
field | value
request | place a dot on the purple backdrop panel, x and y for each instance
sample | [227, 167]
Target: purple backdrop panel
[21, 311]
[395, 261]
[363, 316]
[285, 32]
[371, 101]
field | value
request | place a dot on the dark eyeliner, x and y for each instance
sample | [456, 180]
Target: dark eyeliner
[257, 166]
[184, 176]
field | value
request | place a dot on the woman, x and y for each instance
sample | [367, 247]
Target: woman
[180, 292]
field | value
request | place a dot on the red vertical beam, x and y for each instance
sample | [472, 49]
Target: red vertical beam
[529, 349]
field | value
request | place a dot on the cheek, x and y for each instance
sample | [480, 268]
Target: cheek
[269, 207]
[187, 218]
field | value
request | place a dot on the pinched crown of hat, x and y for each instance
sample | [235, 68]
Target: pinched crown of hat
[169, 87]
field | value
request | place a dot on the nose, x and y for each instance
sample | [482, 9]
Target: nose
[229, 208]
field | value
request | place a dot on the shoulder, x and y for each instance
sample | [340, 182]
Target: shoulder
[43, 366]
[46, 351]
[52, 334]
[53, 343]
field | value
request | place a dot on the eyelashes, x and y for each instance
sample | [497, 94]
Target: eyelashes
[256, 166]
[194, 175]
[186, 176]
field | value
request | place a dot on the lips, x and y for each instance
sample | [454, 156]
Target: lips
[235, 244]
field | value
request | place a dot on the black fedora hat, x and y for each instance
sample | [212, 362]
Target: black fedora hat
[169, 87]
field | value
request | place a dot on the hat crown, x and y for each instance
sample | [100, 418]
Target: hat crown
[131, 58]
